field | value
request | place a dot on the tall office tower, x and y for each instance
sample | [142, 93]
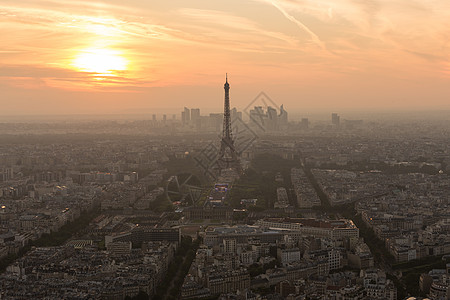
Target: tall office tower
[154, 117]
[272, 118]
[305, 123]
[228, 156]
[215, 122]
[283, 118]
[335, 119]
[235, 114]
[258, 118]
[195, 117]
[195, 114]
[187, 116]
[164, 118]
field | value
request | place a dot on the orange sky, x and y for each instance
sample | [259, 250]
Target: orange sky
[67, 56]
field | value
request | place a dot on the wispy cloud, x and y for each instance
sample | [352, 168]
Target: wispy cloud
[218, 21]
[427, 56]
[301, 25]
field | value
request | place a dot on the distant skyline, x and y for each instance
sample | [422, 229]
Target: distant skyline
[110, 57]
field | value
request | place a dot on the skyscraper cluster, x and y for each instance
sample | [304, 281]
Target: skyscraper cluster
[268, 119]
[335, 119]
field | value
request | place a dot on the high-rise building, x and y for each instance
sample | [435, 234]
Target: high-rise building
[187, 116]
[258, 118]
[305, 123]
[335, 119]
[195, 114]
[215, 121]
[272, 118]
[195, 117]
[235, 114]
[283, 118]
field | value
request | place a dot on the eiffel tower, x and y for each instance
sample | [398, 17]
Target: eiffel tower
[228, 156]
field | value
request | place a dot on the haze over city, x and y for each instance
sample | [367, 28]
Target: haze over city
[95, 57]
[225, 150]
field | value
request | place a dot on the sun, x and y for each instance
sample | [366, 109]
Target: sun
[100, 61]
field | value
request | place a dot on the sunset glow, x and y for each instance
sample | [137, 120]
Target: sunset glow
[309, 55]
[100, 61]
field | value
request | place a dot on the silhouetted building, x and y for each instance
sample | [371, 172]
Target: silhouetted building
[272, 119]
[195, 118]
[235, 114]
[335, 119]
[186, 116]
[305, 123]
[267, 119]
[282, 118]
[215, 121]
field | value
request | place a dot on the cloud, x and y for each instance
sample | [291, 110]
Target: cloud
[222, 21]
[35, 71]
[427, 56]
[33, 76]
[301, 25]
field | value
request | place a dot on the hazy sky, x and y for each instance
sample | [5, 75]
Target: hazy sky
[67, 56]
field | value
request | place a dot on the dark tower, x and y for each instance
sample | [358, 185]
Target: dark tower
[228, 156]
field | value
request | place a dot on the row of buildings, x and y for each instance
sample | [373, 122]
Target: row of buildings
[85, 272]
[414, 223]
[304, 191]
[297, 257]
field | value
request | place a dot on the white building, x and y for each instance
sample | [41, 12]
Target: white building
[288, 256]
